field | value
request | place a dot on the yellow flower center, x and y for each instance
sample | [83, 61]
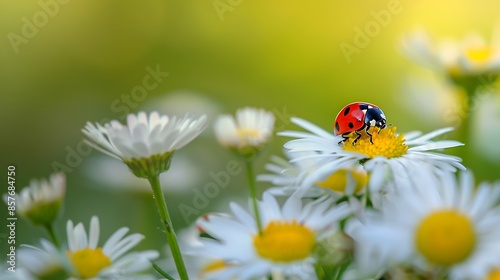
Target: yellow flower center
[213, 266]
[245, 133]
[89, 262]
[338, 180]
[479, 54]
[445, 237]
[494, 275]
[285, 242]
[386, 143]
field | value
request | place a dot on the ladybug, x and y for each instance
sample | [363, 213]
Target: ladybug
[356, 117]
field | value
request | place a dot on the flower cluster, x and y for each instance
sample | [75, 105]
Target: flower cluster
[363, 201]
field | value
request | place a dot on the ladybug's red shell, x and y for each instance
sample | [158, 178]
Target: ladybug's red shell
[351, 118]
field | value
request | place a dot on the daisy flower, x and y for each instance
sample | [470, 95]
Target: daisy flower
[40, 201]
[435, 224]
[146, 143]
[248, 132]
[348, 181]
[472, 56]
[286, 244]
[91, 261]
[391, 155]
[45, 262]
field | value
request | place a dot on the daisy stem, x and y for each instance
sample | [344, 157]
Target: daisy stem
[162, 272]
[253, 193]
[464, 129]
[168, 226]
[50, 229]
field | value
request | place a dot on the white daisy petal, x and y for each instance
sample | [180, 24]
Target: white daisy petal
[250, 255]
[408, 230]
[113, 260]
[143, 136]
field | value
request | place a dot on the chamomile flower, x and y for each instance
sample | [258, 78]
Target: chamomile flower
[91, 261]
[346, 181]
[249, 132]
[40, 201]
[146, 143]
[45, 262]
[391, 155]
[433, 224]
[472, 56]
[287, 241]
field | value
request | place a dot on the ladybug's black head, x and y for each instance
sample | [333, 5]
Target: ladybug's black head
[375, 117]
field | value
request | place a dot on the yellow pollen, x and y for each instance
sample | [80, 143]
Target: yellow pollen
[89, 262]
[479, 54]
[213, 266]
[386, 143]
[494, 275]
[247, 133]
[445, 237]
[285, 241]
[338, 180]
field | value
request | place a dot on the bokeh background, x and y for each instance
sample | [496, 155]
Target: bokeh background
[82, 61]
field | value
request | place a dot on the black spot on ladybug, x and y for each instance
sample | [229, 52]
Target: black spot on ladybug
[337, 126]
[347, 110]
[350, 125]
[364, 107]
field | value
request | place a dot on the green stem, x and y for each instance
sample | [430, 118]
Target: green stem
[319, 271]
[162, 272]
[253, 193]
[464, 129]
[50, 229]
[168, 226]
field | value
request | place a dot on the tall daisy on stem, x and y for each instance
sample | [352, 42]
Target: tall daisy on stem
[146, 145]
[389, 157]
[247, 135]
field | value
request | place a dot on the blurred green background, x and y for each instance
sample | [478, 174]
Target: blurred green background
[84, 56]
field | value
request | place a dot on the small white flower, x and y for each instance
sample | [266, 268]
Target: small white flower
[89, 260]
[285, 173]
[391, 155]
[41, 200]
[285, 246]
[252, 129]
[144, 136]
[38, 263]
[433, 224]
[471, 56]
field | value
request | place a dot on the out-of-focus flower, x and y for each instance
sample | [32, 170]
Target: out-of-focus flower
[246, 134]
[444, 110]
[40, 201]
[471, 56]
[434, 224]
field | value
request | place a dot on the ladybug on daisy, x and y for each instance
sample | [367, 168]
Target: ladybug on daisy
[358, 116]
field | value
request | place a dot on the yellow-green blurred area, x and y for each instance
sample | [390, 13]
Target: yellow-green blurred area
[82, 57]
